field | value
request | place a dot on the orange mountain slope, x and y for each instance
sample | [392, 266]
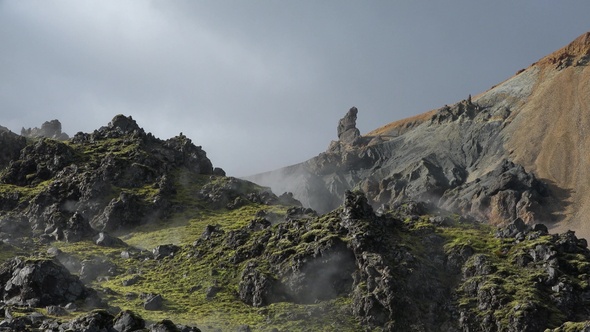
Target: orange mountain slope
[548, 131]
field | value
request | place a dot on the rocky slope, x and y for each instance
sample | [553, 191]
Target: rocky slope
[117, 230]
[518, 150]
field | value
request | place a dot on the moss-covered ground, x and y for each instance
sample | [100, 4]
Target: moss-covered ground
[199, 283]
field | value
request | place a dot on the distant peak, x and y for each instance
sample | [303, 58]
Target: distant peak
[124, 124]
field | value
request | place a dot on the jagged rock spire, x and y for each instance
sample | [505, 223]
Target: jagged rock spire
[347, 131]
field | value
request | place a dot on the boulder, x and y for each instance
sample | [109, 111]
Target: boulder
[40, 283]
[153, 302]
[128, 321]
[165, 250]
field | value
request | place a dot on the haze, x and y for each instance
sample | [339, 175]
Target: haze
[262, 84]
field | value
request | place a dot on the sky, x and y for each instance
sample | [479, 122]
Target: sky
[262, 84]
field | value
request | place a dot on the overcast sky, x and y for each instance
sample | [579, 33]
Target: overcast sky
[262, 84]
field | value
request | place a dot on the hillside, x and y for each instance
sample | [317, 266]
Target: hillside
[519, 150]
[117, 230]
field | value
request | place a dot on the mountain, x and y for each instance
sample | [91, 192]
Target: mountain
[118, 230]
[518, 150]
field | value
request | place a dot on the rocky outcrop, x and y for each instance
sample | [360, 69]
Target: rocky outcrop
[506, 193]
[514, 303]
[112, 180]
[414, 267]
[458, 167]
[40, 283]
[125, 321]
[49, 129]
[351, 252]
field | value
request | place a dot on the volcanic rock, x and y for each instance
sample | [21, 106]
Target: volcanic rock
[347, 131]
[128, 321]
[49, 129]
[165, 250]
[153, 302]
[40, 283]
[98, 181]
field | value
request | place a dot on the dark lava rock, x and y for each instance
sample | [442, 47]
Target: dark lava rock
[287, 199]
[128, 321]
[513, 229]
[39, 162]
[165, 250]
[168, 326]
[324, 275]
[95, 321]
[40, 283]
[540, 228]
[257, 288]
[80, 198]
[153, 302]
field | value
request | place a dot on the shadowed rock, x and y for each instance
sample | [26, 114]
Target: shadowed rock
[40, 283]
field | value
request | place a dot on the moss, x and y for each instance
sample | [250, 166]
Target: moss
[25, 193]
[571, 327]
[7, 252]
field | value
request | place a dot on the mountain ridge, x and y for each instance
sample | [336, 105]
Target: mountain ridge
[523, 119]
